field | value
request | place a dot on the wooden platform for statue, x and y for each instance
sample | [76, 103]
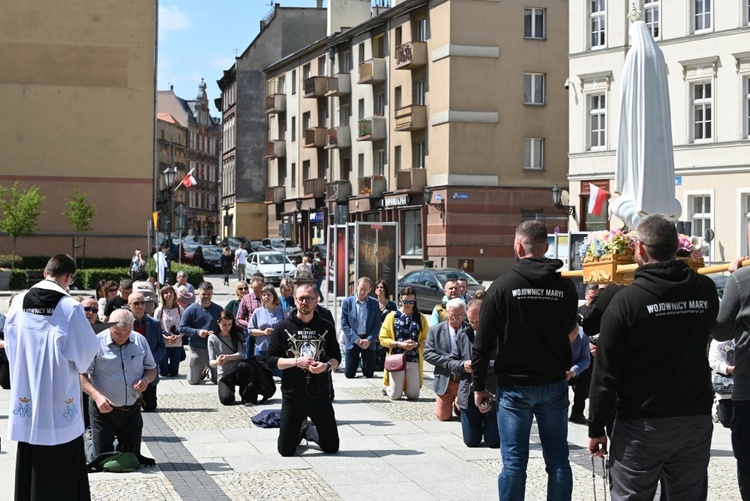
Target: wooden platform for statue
[606, 270]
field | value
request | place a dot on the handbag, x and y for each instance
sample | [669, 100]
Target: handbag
[395, 362]
[722, 384]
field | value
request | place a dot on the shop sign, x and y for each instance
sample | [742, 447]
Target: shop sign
[316, 217]
[398, 201]
[460, 195]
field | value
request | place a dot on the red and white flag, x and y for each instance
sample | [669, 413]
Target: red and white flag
[189, 180]
[596, 200]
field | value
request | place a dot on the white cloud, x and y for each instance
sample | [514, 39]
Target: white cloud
[171, 18]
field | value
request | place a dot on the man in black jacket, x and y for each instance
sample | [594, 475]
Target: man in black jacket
[651, 364]
[527, 314]
[304, 347]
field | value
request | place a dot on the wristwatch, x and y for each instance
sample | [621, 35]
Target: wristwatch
[330, 368]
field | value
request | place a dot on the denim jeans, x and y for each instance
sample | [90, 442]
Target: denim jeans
[170, 363]
[352, 362]
[517, 406]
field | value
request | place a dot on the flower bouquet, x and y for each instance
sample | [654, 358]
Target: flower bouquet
[603, 251]
[691, 250]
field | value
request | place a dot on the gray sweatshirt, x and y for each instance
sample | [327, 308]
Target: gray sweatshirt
[221, 346]
[733, 322]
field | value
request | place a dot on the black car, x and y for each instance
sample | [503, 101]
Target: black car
[429, 284]
[212, 258]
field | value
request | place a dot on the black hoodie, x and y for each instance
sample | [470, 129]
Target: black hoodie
[527, 313]
[292, 338]
[651, 356]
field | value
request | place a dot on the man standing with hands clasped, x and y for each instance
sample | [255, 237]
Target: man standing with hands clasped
[198, 322]
[651, 365]
[527, 314]
[304, 347]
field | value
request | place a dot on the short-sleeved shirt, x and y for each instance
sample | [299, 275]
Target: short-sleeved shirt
[241, 255]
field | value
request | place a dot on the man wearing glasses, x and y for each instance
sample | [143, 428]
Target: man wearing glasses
[48, 342]
[91, 309]
[150, 328]
[304, 347]
[441, 340]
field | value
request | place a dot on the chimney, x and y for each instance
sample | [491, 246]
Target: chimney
[318, 4]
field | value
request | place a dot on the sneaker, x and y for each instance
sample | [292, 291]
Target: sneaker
[205, 373]
[578, 419]
[277, 379]
[308, 432]
[385, 391]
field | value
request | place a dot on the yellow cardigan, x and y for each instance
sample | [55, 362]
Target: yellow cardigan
[387, 339]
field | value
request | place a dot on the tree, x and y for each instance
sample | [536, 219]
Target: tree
[19, 214]
[79, 214]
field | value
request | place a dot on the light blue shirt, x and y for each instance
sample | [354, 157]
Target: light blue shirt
[116, 369]
[361, 307]
[263, 319]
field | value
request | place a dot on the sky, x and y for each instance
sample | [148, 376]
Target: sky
[200, 38]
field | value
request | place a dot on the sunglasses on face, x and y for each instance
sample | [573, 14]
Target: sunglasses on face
[409, 301]
[241, 288]
[113, 289]
[91, 309]
[137, 303]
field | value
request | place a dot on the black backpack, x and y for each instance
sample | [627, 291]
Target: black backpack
[259, 382]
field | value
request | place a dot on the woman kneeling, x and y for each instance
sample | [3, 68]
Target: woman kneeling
[226, 353]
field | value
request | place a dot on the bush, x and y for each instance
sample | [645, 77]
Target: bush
[8, 261]
[39, 262]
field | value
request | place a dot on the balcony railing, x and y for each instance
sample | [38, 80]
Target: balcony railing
[276, 103]
[276, 149]
[372, 71]
[339, 137]
[338, 191]
[315, 187]
[315, 87]
[275, 194]
[411, 55]
[412, 117]
[372, 129]
[339, 85]
[411, 179]
[372, 185]
[315, 137]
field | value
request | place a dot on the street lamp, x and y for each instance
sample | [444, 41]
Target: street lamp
[557, 201]
[428, 198]
[298, 203]
[170, 173]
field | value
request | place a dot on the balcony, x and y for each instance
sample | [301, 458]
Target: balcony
[412, 180]
[339, 85]
[372, 71]
[338, 191]
[276, 104]
[339, 137]
[315, 87]
[276, 149]
[275, 194]
[315, 137]
[374, 186]
[411, 55]
[315, 187]
[413, 117]
[372, 129]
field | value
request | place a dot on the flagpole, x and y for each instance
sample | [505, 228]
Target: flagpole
[183, 179]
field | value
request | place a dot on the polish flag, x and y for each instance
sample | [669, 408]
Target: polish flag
[189, 180]
[596, 200]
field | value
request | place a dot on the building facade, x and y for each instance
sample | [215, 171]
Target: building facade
[78, 80]
[199, 214]
[706, 46]
[171, 151]
[458, 99]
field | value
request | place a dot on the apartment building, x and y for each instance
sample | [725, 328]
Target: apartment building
[243, 169]
[171, 151]
[448, 117]
[706, 45]
[77, 81]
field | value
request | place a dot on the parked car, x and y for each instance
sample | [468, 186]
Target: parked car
[255, 246]
[212, 258]
[293, 250]
[429, 284]
[271, 265]
[235, 243]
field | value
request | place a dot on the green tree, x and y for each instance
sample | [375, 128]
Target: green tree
[19, 211]
[79, 214]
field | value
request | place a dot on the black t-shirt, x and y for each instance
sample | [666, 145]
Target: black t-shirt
[114, 303]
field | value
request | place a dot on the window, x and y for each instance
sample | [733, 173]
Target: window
[281, 85]
[322, 165]
[294, 175]
[345, 112]
[598, 23]
[360, 165]
[378, 46]
[533, 88]
[305, 169]
[533, 153]
[412, 232]
[420, 30]
[701, 111]
[533, 23]
[397, 98]
[282, 171]
[702, 13]
[380, 163]
[361, 49]
[322, 66]
[420, 91]
[744, 225]
[701, 216]
[397, 36]
[361, 109]
[306, 122]
[294, 81]
[306, 71]
[420, 152]
[651, 15]
[747, 106]
[294, 128]
[380, 104]
[597, 121]
[345, 62]
[397, 158]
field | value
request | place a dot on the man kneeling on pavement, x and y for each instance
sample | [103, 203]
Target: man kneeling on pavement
[121, 371]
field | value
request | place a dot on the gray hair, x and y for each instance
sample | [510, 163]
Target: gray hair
[123, 318]
[182, 273]
[658, 234]
[456, 302]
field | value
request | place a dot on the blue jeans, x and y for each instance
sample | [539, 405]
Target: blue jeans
[169, 365]
[518, 405]
[474, 425]
[352, 362]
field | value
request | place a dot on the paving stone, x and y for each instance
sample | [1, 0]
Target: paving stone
[276, 484]
[422, 409]
[202, 411]
[147, 489]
